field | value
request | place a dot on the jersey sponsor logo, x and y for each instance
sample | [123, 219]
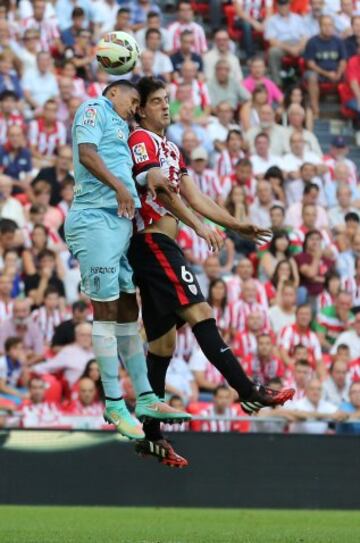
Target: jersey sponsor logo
[102, 269]
[140, 153]
[89, 116]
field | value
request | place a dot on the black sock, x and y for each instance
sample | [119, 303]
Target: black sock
[157, 368]
[221, 356]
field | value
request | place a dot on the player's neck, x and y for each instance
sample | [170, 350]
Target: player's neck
[157, 130]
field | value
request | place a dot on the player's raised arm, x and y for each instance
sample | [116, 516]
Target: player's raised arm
[212, 211]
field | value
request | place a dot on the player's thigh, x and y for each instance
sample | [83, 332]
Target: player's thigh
[98, 239]
[127, 308]
[194, 313]
[164, 345]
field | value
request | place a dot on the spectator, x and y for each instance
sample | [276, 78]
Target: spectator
[332, 286]
[16, 159]
[206, 376]
[338, 156]
[276, 179]
[64, 333]
[8, 239]
[250, 111]
[91, 371]
[40, 84]
[352, 408]
[287, 35]
[139, 12]
[205, 178]
[257, 77]
[219, 126]
[86, 404]
[250, 18]
[176, 131]
[21, 325]
[352, 42]
[10, 208]
[222, 51]
[261, 158]
[162, 63]
[301, 375]
[55, 175]
[46, 26]
[36, 411]
[264, 365]
[70, 71]
[8, 80]
[211, 270]
[27, 49]
[296, 95]
[326, 59]
[46, 135]
[199, 91]
[276, 133]
[315, 411]
[336, 386]
[292, 162]
[337, 213]
[153, 20]
[123, 21]
[333, 320]
[6, 300]
[177, 403]
[296, 123]
[71, 359]
[50, 314]
[221, 412]
[180, 381]
[233, 152]
[81, 54]
[78, 22]
[45, 276]
[300, 333]
[185, 53]
[279, 250]
[224, 88]
[185, 22]
[260, 209]
[242, 178]
[13, 371]
[217, 299]
[283, 312]
[312, 19]
[294, 215]
[283, 273]
[9, 114]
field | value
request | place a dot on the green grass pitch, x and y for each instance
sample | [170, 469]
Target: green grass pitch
[160, 525]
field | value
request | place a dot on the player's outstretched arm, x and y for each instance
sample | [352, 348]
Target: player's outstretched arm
[212, 211]
[91, 160]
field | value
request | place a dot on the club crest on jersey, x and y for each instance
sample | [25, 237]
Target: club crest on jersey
[89, 116]
[140, 153]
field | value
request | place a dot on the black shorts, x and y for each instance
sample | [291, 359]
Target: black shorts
[166, 284]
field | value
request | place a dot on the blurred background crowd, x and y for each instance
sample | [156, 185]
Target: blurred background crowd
[265, 106]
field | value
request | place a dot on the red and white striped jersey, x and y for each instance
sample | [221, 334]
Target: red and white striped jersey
[188, 240]
[244, 344]
[54, 240]
[76, 408]
[297, 238]
[96, 89]
[263, 371]
[47, 321]
[208, 182]
[185, 343]
[223, 318]
[183, 427]
[240, 311]
[351, 285]
[152, 151]
[6, 310]
[290, 337]
[324, 300]
[41, 415]
[176, 29]
[199, 93]
[233, 285]
[255, 8]
[46, 140]
[14, 119]
[220, 425]
[354, 370]
[48, 29]
[225, 163]
[249, 188]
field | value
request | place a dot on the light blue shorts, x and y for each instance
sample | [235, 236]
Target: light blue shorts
[99, 240]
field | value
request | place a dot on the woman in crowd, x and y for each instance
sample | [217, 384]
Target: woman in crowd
[279, 250]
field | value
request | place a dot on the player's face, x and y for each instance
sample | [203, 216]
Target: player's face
[156, 111]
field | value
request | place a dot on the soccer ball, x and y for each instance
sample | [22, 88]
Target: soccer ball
[117, 53]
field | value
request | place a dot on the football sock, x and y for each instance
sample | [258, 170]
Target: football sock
[221, 356]
[105, 349]
[131, 351]
[157, 368]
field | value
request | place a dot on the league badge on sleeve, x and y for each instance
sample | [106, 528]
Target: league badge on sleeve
[140, 153]
[89, 116]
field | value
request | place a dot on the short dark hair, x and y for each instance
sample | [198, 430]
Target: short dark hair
[352, 216]
[123, 10]
[244, 162]
[12, 342]
[79, 305]
[8, 94]
[185, 33]
[302, 306]
[277, 206]
[302, 362]
[7, 226]
[232, 132]
[220, 388]
[274, 171]
[77, 12]
[119, 83]
[152, 31]
[152, 15]
[50, 290]
[262, 135]
[45, 253]
[309, 187]
[308, 235]
[147, 86]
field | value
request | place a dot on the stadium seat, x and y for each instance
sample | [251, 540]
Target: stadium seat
[236, 33]
[200, 8]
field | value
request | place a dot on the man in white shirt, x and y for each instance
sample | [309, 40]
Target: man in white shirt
[283, 314]
[259, 212]
[296, 116]
[73, 358]
[337, 213]
[153, 21]
[312, 19]
[222, 50]
[10, 208]
[287, 36]
[277, 135]
[313, 410]
[219, 126]
[291, 162]
[262, 159]
[180, 380]
[162, 63]
[336, 386]
[351, 338]
[40, 85]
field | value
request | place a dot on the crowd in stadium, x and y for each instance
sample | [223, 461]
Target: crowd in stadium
[244, 99]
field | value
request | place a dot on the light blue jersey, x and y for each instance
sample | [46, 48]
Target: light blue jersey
[97, 122]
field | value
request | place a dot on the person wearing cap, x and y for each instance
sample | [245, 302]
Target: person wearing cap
[205, 178]
[287, 35]
[338, 154]
[325, 57]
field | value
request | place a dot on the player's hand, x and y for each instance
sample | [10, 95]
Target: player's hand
[126, 204]
[258, 235]
[159, 183]
[212, 237]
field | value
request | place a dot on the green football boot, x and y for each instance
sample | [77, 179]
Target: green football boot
[150, 407]
[117, 413]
